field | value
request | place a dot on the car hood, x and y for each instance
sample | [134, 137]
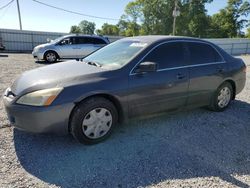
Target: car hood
[42, 46]
[57, 75]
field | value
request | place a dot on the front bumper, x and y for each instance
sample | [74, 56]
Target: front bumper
[37, 55]
[39, 119]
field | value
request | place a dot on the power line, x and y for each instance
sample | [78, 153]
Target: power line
[73, 12]
[4, 12]
[7, 4]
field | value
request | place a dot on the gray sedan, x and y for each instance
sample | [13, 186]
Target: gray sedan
[131, 77]
[69, 47]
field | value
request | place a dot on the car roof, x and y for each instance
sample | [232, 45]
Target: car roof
[83, 35]
[161, 38]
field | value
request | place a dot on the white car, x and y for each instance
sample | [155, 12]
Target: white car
[69, 47]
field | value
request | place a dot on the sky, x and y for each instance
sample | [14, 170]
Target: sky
[41, 18]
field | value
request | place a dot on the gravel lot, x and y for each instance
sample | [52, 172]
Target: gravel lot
[196, 148]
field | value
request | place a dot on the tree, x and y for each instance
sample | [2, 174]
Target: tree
[230, 20]
[193, 20]
[156, 17]
[75, 29]
[108, 29]
[87, 27]
[128, 25]
[248, 33]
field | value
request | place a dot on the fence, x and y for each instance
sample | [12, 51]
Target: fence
[25, 41]
[233, 46]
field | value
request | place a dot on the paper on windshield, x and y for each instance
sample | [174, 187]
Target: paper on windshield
[138, 44]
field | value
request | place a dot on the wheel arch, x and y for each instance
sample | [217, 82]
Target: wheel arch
[111, 98]
[233, 84]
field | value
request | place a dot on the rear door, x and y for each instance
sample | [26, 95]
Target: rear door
[206, 70]
[165, 89]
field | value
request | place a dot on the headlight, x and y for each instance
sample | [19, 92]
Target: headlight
[40, 49]
[40, 98]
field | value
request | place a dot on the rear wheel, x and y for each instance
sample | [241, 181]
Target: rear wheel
[51, 56]
[222, 97]
[93, 120]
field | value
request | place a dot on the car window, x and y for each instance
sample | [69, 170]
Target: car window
[88, 40]
[69, 41]
[116, 54]
[98, 41]
[73, 40]
[201, 53]
[65, 41]
[167, 55]
[80, 40]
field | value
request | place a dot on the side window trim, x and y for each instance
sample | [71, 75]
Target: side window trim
[159, 70]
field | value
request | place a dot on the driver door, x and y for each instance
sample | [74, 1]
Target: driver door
[164, 89]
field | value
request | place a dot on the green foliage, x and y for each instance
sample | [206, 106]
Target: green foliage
[108, 29]
[87, 27]
[154, 17]
[230, 20]
[75, 29]
[84, 27]
[248, 33]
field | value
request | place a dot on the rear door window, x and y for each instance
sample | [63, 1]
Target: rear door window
[98, 41]
[81, 40]
[89, 40]
[201, 53]
[73, 40]
[169, 55]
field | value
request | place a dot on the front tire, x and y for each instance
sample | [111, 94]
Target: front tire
[50, 57]
[93, 120]
[222, 97]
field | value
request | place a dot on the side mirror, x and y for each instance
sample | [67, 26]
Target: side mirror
[146, 67]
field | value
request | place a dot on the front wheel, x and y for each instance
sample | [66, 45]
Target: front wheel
[222, 97]
[93, 120]
[50, 57]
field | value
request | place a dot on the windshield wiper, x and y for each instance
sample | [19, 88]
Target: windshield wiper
[93, 63]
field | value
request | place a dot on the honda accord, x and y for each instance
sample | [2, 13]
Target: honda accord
[131, 77]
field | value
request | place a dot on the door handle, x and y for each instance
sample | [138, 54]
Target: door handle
[180, 76]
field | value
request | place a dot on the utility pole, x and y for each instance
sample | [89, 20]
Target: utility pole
[176, 13]
[19, 14]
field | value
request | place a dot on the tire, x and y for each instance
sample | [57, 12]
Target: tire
[222, 97]
[50, 57]
[93, 120]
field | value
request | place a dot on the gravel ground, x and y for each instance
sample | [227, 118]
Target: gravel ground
[195, 148]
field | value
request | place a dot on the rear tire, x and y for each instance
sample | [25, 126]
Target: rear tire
[222, 97]
[50, 57]
[93, 120]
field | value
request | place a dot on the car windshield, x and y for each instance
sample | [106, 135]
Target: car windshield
[115, 55]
